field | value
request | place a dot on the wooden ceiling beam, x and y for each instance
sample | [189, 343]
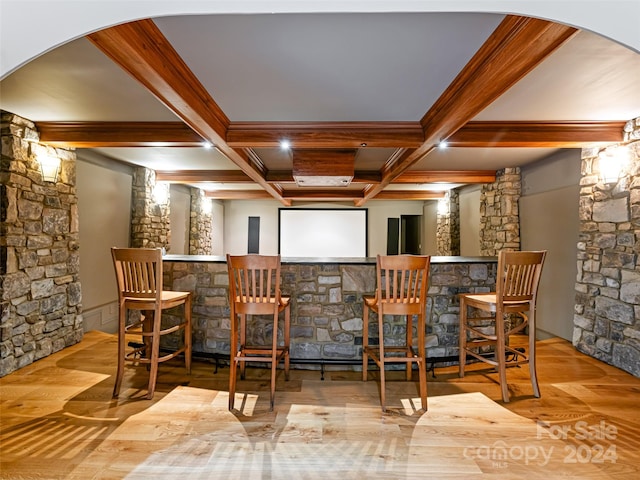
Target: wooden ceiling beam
[410, 195]
[536, 134]
[515, 47]
[286, 176]
[196, 176]
[238, 195]
[237, 176]
[323, 195]
[446, 176]
[142, 50]
[523, 134]
[118, 134]
[340, 135]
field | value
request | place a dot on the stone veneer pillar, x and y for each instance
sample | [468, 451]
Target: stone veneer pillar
[448, 224]
[39, 250]
[200, 224]
[607, 309]
[150, 226]
[499, 214]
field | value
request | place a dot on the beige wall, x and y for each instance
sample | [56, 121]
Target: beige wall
[469, 199]
[179, 219]
[429, 227]
[549, 221]
[104, 210]
[217, 220]
[237, 213]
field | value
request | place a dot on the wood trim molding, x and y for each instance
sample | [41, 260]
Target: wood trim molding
[326, 134]
[523, 134]
[410, 195]
[515, 47]
[446, 176]
[238, 195]
[118, 134]
[195, 176]
[537, 134]
[142, 50]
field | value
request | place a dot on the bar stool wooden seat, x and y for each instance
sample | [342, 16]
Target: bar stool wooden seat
[254, 289]
[516, 293]
[402, 282]
[139, 277]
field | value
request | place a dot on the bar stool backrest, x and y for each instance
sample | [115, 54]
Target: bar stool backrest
[402, 283]
[138, 272]
[254, 283]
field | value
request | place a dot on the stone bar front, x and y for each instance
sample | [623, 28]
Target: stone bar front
[326, 304]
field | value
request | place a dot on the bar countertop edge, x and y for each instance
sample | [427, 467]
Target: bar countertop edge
[435, 259]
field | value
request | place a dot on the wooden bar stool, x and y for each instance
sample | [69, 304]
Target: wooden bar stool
[139, 277]
[254, 289]
[402, 290]
[516, 294]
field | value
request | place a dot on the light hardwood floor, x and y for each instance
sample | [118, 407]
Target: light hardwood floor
[59, 421]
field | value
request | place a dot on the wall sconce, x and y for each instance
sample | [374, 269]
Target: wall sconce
[161, 193]
[49, 167]
[205, 205]
[613, 161]
[443, 206]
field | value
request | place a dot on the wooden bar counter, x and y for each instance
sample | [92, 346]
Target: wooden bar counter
[326, 304]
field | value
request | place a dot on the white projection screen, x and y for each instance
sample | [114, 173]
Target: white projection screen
[319, 232]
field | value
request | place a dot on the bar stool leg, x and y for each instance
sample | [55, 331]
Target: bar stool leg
[365, 342]
[381, 342]
[462, 342]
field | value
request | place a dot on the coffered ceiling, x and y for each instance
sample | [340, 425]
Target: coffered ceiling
[364, 100]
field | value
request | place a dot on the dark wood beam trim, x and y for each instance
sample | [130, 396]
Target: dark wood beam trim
[409, 195]
[537, 134]
[142, 50]
[118, 134]
[326, 134]
[323, 195]
[194, 176]
[286, 176]
[447, 176]
[238, 195]
[516, 46]
[279, 177]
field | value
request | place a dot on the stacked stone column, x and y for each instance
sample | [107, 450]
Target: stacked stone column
[607, 309]
[499, 213]
[150, 226]
[39, 250]
[448, 224]
[200, 224]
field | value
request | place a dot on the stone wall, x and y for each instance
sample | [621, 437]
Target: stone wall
[326, 306]
[39, 259]
[607, 310]
[499, 214]
[448, 224]
[200, 224]
[150, 226]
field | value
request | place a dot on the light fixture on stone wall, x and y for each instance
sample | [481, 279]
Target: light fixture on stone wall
[161, 193]
[205, 204]
[49, 167]
[613, 161]
[443, 206]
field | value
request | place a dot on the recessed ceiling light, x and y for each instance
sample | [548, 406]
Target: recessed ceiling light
[285, 144]
[207, 145]
[442, 145]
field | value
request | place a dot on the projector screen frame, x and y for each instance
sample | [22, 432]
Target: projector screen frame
[360, 211]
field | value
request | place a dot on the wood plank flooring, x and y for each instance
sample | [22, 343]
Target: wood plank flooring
[58, 421]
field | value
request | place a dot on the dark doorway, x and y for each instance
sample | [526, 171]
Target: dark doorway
[410, 237]
[393, 235]
[254, 235]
